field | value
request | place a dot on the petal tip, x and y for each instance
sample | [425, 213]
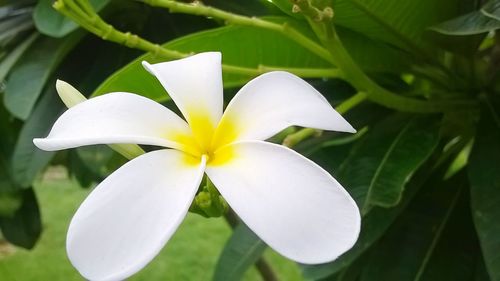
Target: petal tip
[40, 143]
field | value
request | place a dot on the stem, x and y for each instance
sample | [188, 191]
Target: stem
[93, 23]
[323, 27]
[302, 72]
[351, 102]
[296, 137]
[197, 8]
[354, 75]
[265, 270]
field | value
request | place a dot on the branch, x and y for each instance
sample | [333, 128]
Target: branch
[197, 8]
[82, 13]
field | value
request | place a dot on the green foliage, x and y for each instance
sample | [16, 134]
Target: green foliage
[398, 23]
[26, 161]
[440, 245]
[380, 165]
[423, 219]
[485, 187]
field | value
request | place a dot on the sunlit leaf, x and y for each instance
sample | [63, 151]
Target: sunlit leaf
[237, 44]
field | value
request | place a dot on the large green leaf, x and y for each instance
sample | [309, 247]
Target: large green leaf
[24, 227]
[238, 46]
[437, 237]
[241, 251]
[49, 22]
[29, 75]
[469, 24]
[484, 177]
[401, 23]
[379, 167]
[27, 160]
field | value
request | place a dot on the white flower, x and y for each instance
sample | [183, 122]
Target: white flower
[291, 203]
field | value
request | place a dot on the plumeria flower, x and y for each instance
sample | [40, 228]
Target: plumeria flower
[292, 204]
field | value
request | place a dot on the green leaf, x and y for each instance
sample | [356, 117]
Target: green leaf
[377, 170]
[238, 47]
[400, 23]
[484, 177]
[432, 240]
[31, 72]
[27, 160]
[469, 24]
[24, 228]
[242, 250]
[373, 226]
[49, 22]
[8, 62]
[492, 9]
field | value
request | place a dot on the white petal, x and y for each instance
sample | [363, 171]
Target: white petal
[274, 101]
[291, 203]
[115, 118]
[130, 216]
[194, 83]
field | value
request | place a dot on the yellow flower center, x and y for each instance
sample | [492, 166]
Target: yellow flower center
[207, 139]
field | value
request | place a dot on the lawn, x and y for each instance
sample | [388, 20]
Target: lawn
[190, 255]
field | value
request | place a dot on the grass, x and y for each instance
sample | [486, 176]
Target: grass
[190, 255]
